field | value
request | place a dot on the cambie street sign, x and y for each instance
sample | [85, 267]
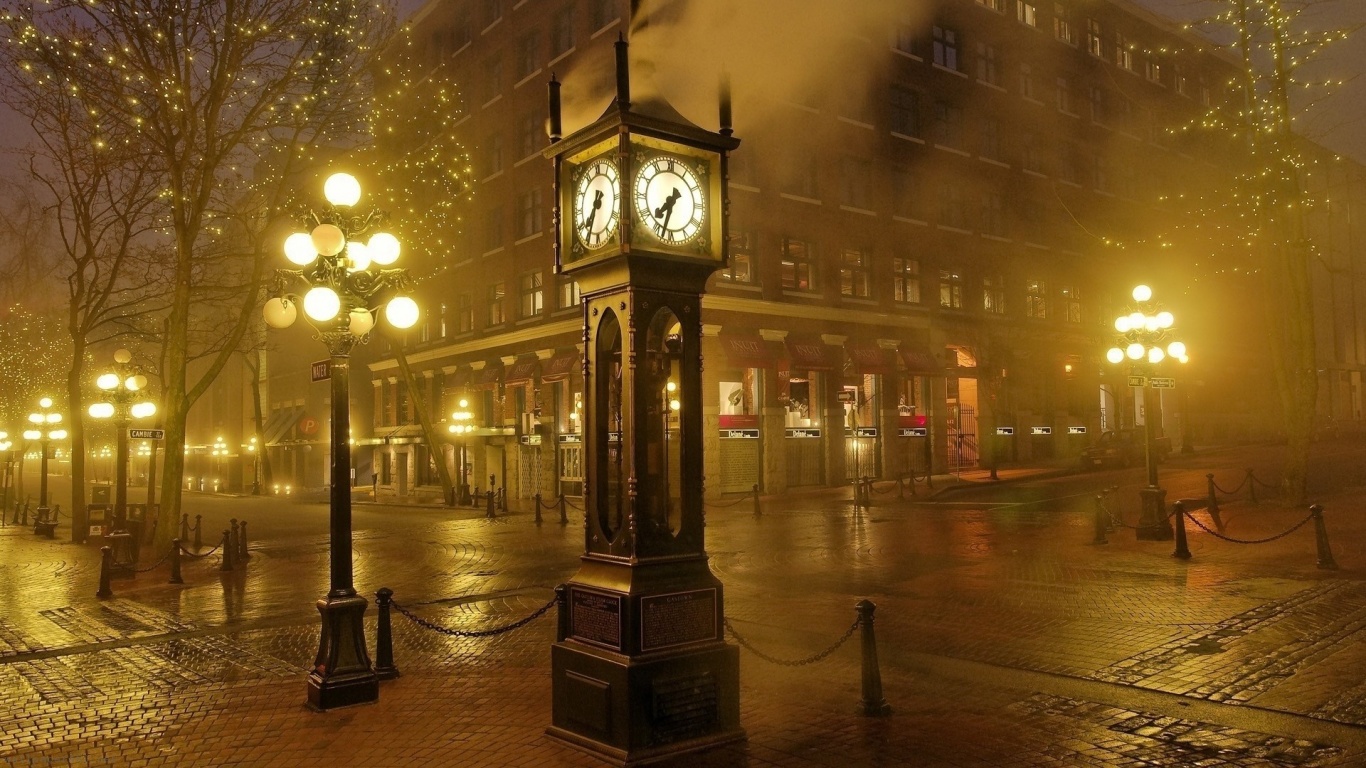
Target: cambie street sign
[1137, 381]
[1162, 382]
[146, 434]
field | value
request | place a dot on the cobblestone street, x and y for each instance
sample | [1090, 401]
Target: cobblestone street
[1006, 637]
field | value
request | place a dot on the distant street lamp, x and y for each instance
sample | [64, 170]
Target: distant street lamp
[255, 467]
[6, 479]
[123, 387]
[341, 293]
[1145, 342]
[45, 429]
[220, 455]
[464, 424]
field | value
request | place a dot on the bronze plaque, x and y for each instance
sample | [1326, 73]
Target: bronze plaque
[679, 618]
[595, 618]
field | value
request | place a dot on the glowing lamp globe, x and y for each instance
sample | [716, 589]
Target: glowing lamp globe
[321, 303]
[46, 402]
[54, 418]
[1115, 355]
[342, 189]
[32, 434]
[279, 313]
[1176, 349]
[357, 256]
[101, 410]
[299, 249]
[57, 434]
[1151, 324]
[1122, 324]
[361, 322]
[1135, 351]
[328, 239]
[401, 312]
[1165, 319]
[107, 381]
[143, 410]
[1142, 293]
[122, 356]
[384, 248]
[134, 383]
[1155, 355]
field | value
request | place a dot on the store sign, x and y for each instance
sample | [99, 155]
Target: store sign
[739, 421]
[530, 439]
[571, 438]
[865, 432]
[1040, 430]
[803, 432]
[1007, 431]
[1076, 430]
[913, 432]
[739, 434]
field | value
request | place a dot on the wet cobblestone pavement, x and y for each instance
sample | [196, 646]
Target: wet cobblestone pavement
[1006, 639]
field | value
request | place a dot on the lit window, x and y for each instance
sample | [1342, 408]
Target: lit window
[1124, 55]
[741, 268]
[1036, 299]
[906, 280]
[1062, 25]
[993, 295]
[950, 289]
[1026, 13]
[532, 294]
[1071, 303]
[569, 294]
[798, 266]
[497, 295]
[854, 273]
[1094, 41]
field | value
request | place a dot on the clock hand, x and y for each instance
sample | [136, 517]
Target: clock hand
[666, 210]
[597, 203]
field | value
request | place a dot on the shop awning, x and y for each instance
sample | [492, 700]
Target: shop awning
[920, 359]
[748, 351]
[486, 378]
[871, 359]
[560, 366]
[281, 422]
[812, 355]
[522, 371]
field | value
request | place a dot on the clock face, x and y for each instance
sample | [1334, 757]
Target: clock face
[596, 210]
[669, 200]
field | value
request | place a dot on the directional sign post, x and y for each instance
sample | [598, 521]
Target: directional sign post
[1162, 382]
[320, 371]
[146, 434]
[1137, 381]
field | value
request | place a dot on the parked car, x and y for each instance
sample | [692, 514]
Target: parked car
[1122, 448]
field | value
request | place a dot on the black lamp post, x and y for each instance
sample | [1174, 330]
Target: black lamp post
[45, 429]
[340, 295]
[122, 387]
[1145, 341]
[464, 424]
[7, 479]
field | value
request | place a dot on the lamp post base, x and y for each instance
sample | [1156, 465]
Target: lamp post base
[1153, 523]
[342, 674]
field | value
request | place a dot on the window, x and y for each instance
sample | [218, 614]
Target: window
[464, 313]
[530, 134]
[991, 138]
[1036, 299]
[493, 154]
[1124, 55]
[1031, 155]
[1094, 44]
[946, 47]
[798, 265]
[1179, 82]
[1069, 168]
[531, 293]
[1026, 13]
[1100, 173]
[854, 182]
[562, 30]
[948, 124]
[1064, 95]
[908, 35]
[1062, 25]
[741, 268]
[993, 295]
[462, 31]
[604, 12]
[906, 280]
[993, 214]
[493, 11]
[493, 79]
[854, 273]
[802, 176]
[1027, 81]
[528, 55]
[400, 403]
[950, 289]
[569, 294]
[996, 5]
[905, 112]
[952, 210]
[1153, 69]
[908, 198]
[1071, 303]
[529, 213]
[1096, 95]
[493, 228]
[497, 310]
[987, 70]
[443, 326]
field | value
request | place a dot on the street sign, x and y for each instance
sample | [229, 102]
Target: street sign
[1162, 382]
[740, 434]
[803, 432]
[146, 434]
[1076, 430]
[865, 431]
[1005, 430]
[320, 371]
[1137, 381]
[913, 432]
[1040, 430]
[308, 426]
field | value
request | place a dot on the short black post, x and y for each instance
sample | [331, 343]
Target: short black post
[488, 510]
[232, 540]
[106, 557]
[198, 537]
[242, 553]
[226, 547]
[561, 613]
[384, 638]
[503, 499]
[185, 527]
[25, 513]
[564, 514]
[900, 487]
[1251, 486]
[873, 704]
[538, 507]
[1213, 504]
[1182, 551]
[1326, 561]
[1100, 521]
[175, 563]
[757, 512]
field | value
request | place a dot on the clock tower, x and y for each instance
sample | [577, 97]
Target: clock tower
[641, 669]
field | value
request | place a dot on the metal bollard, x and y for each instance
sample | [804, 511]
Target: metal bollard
[564, 515]
[226, 547]
[503, 499]
[1213, 505]
[232, 541]
[900, 487]
[538, 507]
[1251, 486]
[1326, 561]
[873, 704]
[242, 553]
[1182, 551]
[25, 513]
[198, 526]
[185, 527]
[106, 556]
[561, 613]
[1100, 521]
[384, 638]
[175, 563]
[757, 512]
[488, 511]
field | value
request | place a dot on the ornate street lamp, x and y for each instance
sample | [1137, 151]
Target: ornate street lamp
[6, 479]
[464, 424]
[342, 288]
[46, 428]
[123, 389]
[1145, 343]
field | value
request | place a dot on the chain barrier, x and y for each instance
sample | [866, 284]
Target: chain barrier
[554, 504]
[892, 486]
[421, 622]
[1118, 521]
[1259, 481]
[571, 504]
[155, 565]
[185, 551]
[793, 662]
[1217, 535]
[730, 503]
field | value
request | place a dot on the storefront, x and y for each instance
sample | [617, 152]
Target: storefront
[739, 426]
[803, 385]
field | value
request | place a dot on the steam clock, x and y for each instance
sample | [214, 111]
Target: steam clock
[641, 668]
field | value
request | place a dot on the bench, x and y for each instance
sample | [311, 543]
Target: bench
[46, 524]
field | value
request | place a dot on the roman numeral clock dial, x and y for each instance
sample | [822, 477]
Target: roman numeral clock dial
[669, 200]
[596, 210]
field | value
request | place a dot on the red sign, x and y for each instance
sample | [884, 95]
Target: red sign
[308, 426]
[738, 421]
